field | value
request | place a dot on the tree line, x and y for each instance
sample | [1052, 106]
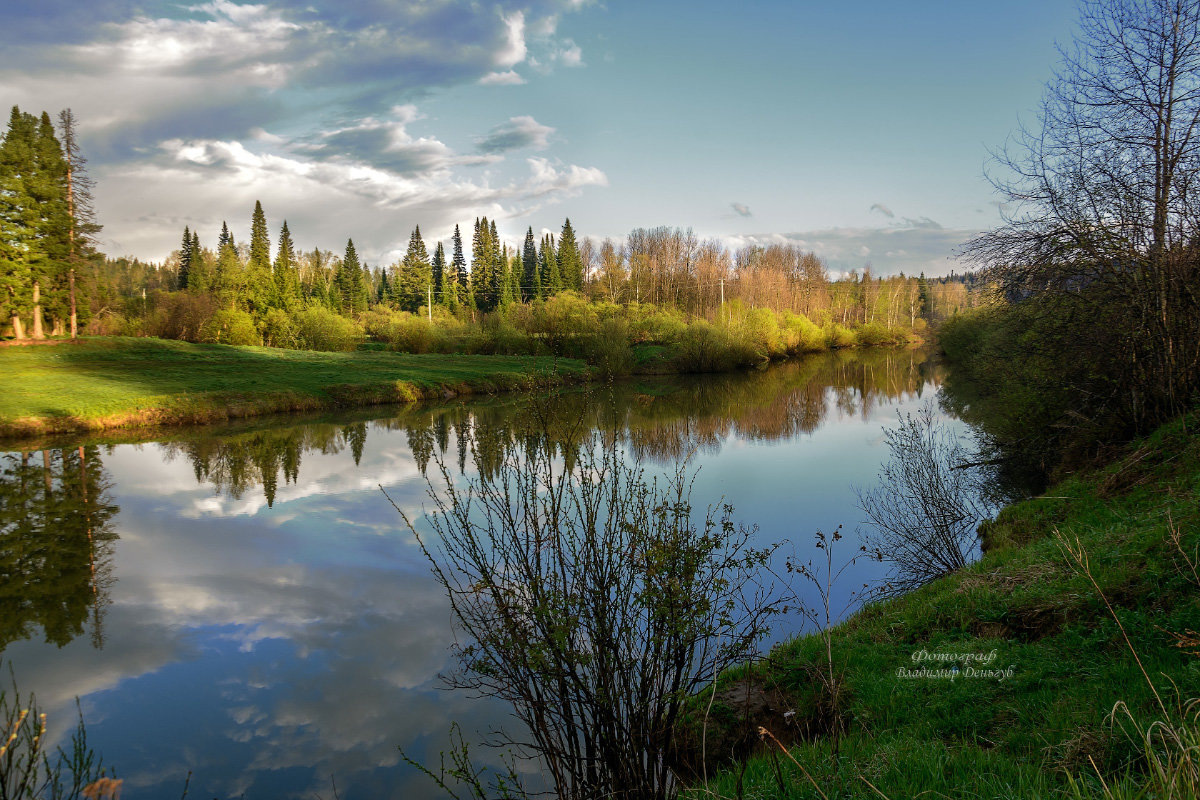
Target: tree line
[259, 292]
[47, 225]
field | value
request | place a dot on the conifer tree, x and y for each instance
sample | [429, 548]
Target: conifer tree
[226, 238]
[260, 241]
[531, 283]
[200, 268]
[49, 189]
[570, 266]
[439, 273]
[286, 271]
[480, 255]
[185, 259]
[414, 275]
[548, 266]
[350, 295]
[83, 225]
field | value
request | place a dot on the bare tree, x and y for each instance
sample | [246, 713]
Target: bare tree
[1105, 208]
[593, 604]
[927, 508]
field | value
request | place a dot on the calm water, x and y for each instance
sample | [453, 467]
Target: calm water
[244, 603]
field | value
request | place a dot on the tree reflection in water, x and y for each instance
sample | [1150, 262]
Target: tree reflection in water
[659, 420]
[56, 543]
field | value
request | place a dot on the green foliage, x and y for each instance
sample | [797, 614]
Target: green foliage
[279, 329]
[1048, 728]
[230, 326]
[412, 278]
[705, 347]
[319, 328]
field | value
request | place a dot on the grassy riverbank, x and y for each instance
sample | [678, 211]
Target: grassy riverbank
[1042, 730]
[94, 384]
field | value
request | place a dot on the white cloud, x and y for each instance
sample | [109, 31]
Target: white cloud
[508, 78]
[741, 209]
[514, 50]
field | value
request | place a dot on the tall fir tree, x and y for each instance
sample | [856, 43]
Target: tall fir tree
[439, 273]
[498, 281]
[80, 209]
[531, 283]
[482, 280]
[413, 278]
[19, 219]
[259, 292]
[185, 259]
[286, 271]
[570, 266]
[200, 268]
[552, 282]
[348, 284]
[458, 268]
[260, 241]
[226, 238]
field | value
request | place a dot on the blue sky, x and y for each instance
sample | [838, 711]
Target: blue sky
[860, 131]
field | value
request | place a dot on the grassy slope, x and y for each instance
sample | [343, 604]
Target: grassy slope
[114, 382]
[983, 738]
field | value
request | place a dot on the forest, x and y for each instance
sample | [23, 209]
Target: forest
[555, 293]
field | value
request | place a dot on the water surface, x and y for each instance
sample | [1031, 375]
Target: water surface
[243, 602]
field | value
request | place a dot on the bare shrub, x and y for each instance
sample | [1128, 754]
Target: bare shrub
[592, 603]
[930, 501]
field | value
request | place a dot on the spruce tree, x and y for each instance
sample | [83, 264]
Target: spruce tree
[531, 284]
[552, 282]
[414, 276]
[49, 188]
[185, 259]
[226, 238]
[259, 292]
[458, 266]
[200, 268]
[570, 266]
[286, 271]
[260, 241]
[498, 281]
[481, 256]
[83, 225]
[350, 294]
[439, 273]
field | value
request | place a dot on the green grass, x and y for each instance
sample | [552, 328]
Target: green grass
[103, 383]
[1022, 737]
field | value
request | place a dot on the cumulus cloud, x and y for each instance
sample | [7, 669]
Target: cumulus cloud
[516, 134]
[321, 197]
[741, 209]
[882, 209]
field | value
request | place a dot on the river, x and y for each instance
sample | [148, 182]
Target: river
[242, 603]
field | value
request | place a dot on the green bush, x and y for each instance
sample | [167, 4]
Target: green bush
[874, 334]
[318, 328]
[802, 334]
[279, 329]
[839, 336]
[230, 326]
[609, 349]
[759, 332]
[649, 324]
[705, 347]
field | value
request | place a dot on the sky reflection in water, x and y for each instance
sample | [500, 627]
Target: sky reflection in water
[265, 621]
